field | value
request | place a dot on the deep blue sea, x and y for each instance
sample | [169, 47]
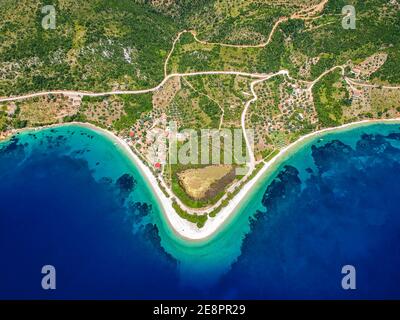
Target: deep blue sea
[69, 198]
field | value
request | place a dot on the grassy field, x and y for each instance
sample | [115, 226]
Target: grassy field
[198, 183]
[330, 96]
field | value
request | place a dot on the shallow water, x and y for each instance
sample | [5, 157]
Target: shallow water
[71, 198]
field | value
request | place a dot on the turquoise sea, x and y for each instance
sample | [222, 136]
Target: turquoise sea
[70, 197]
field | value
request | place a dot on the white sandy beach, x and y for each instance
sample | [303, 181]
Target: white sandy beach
[190, 231]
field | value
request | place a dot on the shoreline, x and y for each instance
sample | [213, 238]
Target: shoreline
[188, 230]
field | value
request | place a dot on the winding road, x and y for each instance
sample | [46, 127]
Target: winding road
[259, 78]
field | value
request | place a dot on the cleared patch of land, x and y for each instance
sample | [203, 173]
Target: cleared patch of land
[206, 182]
